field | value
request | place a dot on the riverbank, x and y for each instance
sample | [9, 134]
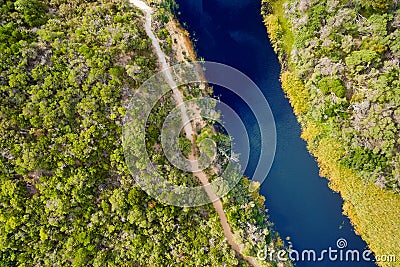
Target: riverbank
[178, 48]
[373, 211]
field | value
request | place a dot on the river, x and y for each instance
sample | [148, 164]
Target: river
[300, 203]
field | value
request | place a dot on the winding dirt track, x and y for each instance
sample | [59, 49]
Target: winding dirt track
[188, 128]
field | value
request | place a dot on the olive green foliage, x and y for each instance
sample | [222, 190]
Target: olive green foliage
[332, 85]
[33, 11]
[365, 159]
[185, 146]
[346, 53]
[296, 91]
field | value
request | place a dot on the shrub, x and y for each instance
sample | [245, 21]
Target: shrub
[332, 85]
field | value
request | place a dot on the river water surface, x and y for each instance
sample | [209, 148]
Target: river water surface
[300, 203]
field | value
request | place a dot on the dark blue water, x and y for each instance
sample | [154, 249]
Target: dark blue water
[300, 203]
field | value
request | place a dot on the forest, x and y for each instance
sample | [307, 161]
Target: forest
[67, 198]
[341, 73]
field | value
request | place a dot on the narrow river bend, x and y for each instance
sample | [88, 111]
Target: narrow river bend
[300, 203]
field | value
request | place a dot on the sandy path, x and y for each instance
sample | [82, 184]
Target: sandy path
[163, 62]
[188, 129]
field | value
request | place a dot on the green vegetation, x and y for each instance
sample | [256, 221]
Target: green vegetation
[67, 72]
[280, 33]
[345, 57]
[332, 85]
